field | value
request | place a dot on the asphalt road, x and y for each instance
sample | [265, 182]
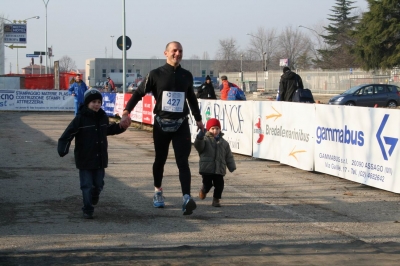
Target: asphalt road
[271, 214]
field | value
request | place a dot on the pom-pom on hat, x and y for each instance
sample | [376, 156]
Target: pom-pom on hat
[208, 77]
[91, 95]
[213, 122]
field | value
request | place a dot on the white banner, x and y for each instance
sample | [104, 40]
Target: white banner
[267, 117]
[359, 144]
[36, 100]
[137, 112]
[119, 104]
[297, 135]
[236, 122]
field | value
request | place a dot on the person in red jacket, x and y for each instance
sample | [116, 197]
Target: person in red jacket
[111, 85]
[225, 87]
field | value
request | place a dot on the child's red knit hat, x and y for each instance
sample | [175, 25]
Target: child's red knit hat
[212, 123]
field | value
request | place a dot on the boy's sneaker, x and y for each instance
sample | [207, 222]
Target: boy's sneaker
[88, 215]
[95, 200]
[202, 194]
[188, 205]
[158, 200]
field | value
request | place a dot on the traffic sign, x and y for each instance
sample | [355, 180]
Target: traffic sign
[32, 55]
[39, 53]
[12, 46]
[128, 43]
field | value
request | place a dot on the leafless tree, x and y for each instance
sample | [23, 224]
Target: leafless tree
[263, 45]
[228, 56]
[295, 46]
[66, 64]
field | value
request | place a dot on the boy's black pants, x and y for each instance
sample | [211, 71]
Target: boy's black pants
[214, 180]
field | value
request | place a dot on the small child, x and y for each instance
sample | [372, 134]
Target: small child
[215, 154]
[90, 127]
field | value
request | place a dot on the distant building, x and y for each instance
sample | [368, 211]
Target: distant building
[99, 68]
[35, 69]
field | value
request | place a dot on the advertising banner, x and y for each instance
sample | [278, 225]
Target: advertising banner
[359, 144]
[109, 103]
[148, 104]
[267, 117]
[137, 112]
[15, 33]
[297, 135]
[35, 100]
[236, 122]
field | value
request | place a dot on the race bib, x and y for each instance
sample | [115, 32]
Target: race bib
[173, 101]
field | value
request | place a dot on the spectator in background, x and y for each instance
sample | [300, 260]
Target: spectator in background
[78, 89]
[206, 90]
[288, 85]
[225, 87]
[111, 85]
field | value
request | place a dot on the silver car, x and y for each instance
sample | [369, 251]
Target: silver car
[369, 95]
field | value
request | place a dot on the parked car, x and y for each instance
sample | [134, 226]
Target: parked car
[369, 95]
[196, 84]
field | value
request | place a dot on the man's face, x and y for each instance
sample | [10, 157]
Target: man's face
[77, 78]
[174, 54]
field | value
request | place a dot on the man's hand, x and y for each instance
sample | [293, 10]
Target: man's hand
[125, 121]
[200, 125]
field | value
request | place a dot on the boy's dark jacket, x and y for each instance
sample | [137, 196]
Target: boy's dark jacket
[215, 155]
[90, 130]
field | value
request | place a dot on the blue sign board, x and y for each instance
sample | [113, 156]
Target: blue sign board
[32, 55]
[15, 33]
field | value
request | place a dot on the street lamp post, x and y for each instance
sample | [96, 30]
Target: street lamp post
[45, 49]
[112, 44]
[241, 69]
[300, 26]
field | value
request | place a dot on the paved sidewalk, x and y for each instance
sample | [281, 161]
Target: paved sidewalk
[271, 214]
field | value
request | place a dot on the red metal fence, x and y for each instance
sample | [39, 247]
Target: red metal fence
[43, 81]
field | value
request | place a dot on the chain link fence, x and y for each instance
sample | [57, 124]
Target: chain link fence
[322, 82]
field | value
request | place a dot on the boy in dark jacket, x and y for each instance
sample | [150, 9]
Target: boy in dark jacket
[90, 129]
[215, 155]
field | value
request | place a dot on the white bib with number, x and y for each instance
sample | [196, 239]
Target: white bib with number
[173, 101]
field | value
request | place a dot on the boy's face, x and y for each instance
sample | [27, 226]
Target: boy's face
[95, 105]
[215, 131]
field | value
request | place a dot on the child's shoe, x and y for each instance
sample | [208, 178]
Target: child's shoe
[95, 200]
[87, 215]
[202, 194]
[215, 203]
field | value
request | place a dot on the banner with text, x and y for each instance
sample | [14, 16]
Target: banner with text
[296, 132]
[236, 122]
[35, 100]
[267, 122]
[359, 144]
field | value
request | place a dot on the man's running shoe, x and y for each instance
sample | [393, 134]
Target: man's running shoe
[158, 200]
[188, 205]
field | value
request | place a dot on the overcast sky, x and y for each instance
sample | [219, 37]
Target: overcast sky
[81, 29]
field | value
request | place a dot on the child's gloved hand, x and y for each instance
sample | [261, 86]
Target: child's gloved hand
[201, 134]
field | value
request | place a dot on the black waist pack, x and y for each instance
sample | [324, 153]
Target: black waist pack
[170, 125]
